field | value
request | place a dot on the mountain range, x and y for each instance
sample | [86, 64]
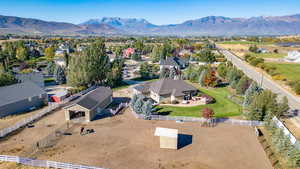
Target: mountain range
[211, 25]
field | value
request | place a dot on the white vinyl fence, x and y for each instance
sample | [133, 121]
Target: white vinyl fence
[44, 163]
[286, 131]
[48, 109]
[119, 109]
[201, 120]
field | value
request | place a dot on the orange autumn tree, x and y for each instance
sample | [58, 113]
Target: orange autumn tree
[207, 113]
[210, 77]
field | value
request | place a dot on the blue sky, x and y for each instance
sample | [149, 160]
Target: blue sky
[155, 11]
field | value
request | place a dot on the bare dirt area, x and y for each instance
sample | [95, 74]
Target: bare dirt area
[9, 165]
[11, 120]
[128, 143]
[124, 142]
[18, 144]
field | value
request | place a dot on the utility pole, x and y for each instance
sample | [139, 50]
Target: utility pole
[262, 78]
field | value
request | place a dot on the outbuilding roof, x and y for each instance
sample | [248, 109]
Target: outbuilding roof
[20, 91]
[166, 132]
[93, 98]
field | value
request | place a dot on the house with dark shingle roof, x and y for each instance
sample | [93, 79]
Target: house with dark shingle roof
[89, 105]
[21, 97]
[173, 62]
[167, 90]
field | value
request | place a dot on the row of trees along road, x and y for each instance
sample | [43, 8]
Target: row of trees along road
[258, 103]
[263, 105]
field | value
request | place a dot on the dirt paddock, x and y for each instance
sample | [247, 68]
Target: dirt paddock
[123, 142]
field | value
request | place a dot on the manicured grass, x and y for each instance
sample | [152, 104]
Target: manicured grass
[268, 55]
[223, 107]
[288, 70]
[245, 43]
[122, 86]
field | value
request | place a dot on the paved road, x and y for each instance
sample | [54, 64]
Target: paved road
[266, 83]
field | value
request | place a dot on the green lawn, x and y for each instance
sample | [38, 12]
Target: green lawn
[245, 43]
[268, 55]
[289, 70]
[223, 107]
[122, 86]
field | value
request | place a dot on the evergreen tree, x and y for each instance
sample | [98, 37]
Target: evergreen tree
[283, 107]
[202, 78]
[222, 70]
[147, 109]
[145, 70]
[133, 100]
[60, 76]
[250, 92]
[138, 106]
[67, 58]
[242, 85]
[262, 104]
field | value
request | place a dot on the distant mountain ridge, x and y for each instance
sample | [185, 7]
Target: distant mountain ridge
[210, 25]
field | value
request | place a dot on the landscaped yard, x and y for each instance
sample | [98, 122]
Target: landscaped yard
[268, 55]
[288, 70]
[223, 107]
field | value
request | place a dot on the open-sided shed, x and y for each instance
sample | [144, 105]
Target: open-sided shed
[89, 105]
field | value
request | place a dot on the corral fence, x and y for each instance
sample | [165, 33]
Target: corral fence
[45, 111]
[44, 163]
[201, 120]
[119, 109]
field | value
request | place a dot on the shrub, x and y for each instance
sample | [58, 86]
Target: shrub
[77, 89]
[256, 61]
[247, 57]
[279, 77]
[297, 88]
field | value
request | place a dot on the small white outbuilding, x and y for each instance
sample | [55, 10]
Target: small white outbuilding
[168, 137]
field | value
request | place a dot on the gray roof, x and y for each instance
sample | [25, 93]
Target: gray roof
[144, 88]
[170, 86]
[173, 61]
[94, 97]
[18, 92]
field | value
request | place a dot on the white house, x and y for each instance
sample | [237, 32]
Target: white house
[293, 56]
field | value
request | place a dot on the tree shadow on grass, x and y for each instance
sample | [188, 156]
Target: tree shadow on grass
[184, 140]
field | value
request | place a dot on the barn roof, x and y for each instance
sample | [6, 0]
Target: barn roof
[91, 99]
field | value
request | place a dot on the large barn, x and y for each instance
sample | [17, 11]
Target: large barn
[21, 97]
[89, 105]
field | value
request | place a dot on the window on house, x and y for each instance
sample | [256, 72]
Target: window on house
[29, 99]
